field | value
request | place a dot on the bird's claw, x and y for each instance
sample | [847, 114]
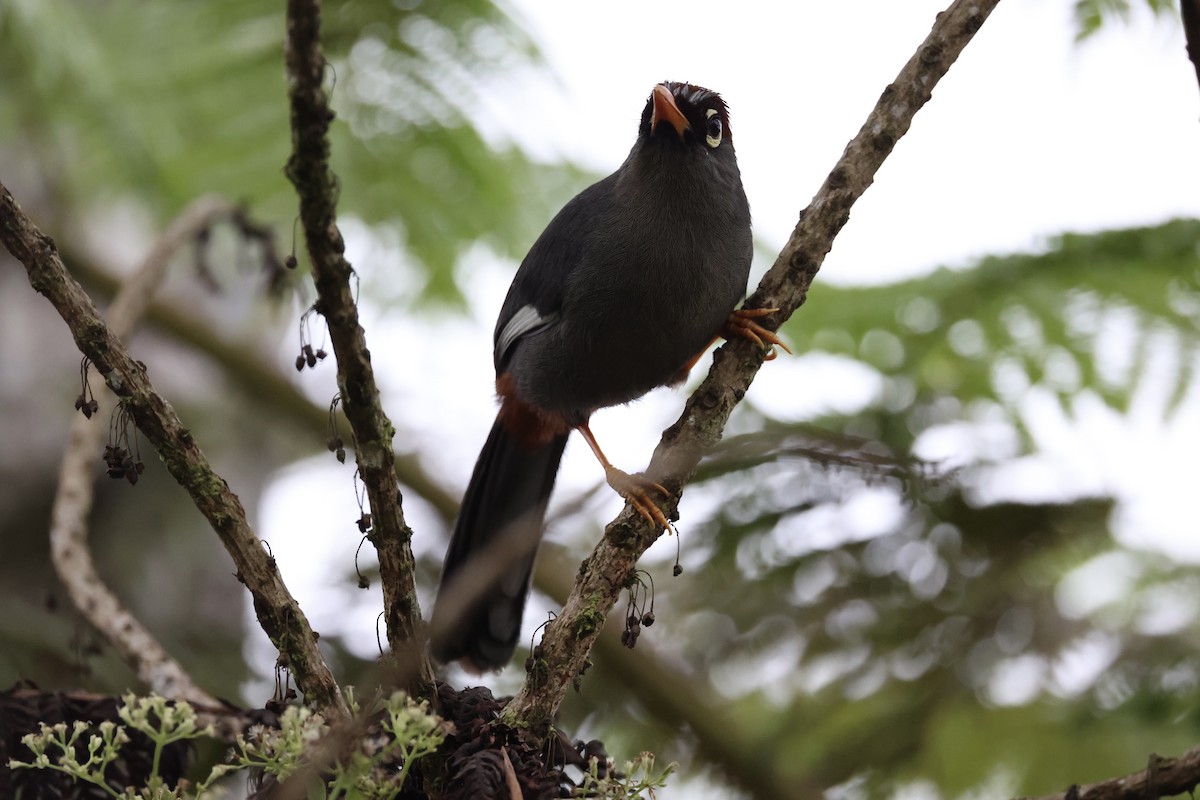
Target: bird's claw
[636, 491]
[742, 323]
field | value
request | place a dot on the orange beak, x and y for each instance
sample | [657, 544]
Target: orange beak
[665, 110]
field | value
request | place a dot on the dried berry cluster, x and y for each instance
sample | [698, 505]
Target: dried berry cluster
[85, 403]
[637, 614]
[121, 463]
[309, 356]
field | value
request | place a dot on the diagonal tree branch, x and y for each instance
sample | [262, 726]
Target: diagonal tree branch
[308, 169]
[1162, 777]
[568, 639]
[278, 613]
[69, 549]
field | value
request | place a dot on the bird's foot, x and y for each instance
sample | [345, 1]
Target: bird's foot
[742, 323]
[636, 491]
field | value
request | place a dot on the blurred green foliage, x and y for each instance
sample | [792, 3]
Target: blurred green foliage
[1091, 15]
[162, 102]
[985, 335]
[944, 645]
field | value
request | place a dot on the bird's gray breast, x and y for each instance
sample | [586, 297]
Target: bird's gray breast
[656, 280]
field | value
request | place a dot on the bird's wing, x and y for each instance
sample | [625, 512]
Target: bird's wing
[526, 320]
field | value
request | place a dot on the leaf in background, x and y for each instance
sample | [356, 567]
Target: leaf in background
[161, 102]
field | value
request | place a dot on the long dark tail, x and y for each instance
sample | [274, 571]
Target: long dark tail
[485, 579]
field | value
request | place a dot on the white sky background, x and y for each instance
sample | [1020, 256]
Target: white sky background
[1029, 135]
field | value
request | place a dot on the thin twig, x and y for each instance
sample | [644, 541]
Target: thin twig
[568, 639]
[278, 613]
[69, 549]
[308, 169]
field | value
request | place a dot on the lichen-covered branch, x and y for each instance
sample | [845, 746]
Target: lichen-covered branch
[602, 577]
[308, 169]
[277, 611]
[69, 551]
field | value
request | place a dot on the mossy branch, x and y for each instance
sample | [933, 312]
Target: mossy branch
[317, 186]
[277, 611]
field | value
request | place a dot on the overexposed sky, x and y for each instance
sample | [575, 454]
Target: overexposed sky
[1028, 135]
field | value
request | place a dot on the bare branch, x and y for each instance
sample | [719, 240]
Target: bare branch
[1163, 777]
[73, 501]
[568, 639]
[278, 612]
[308, 169]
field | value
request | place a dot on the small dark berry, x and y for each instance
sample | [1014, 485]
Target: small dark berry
[648, 618]
[677, 570]
[341, 455]
[299, 363]
[363, 583]
[321, 354]
[290, 261]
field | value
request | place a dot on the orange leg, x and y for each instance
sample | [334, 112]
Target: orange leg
[742, 323]
[634, 488]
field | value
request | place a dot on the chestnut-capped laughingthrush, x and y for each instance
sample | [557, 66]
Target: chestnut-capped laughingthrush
[624, 291]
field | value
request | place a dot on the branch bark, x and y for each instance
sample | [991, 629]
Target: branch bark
[569, 638]
[1162, 777]
[69, 549]
[308, 169]
[277, 611]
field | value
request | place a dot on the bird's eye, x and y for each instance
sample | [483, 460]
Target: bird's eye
[712, 130]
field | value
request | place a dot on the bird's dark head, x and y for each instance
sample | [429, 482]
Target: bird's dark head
[682, 170]
[681, 113]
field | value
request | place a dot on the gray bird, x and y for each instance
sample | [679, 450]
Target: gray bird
[623, 292]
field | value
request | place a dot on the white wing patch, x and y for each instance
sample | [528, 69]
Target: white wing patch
[525, 321]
